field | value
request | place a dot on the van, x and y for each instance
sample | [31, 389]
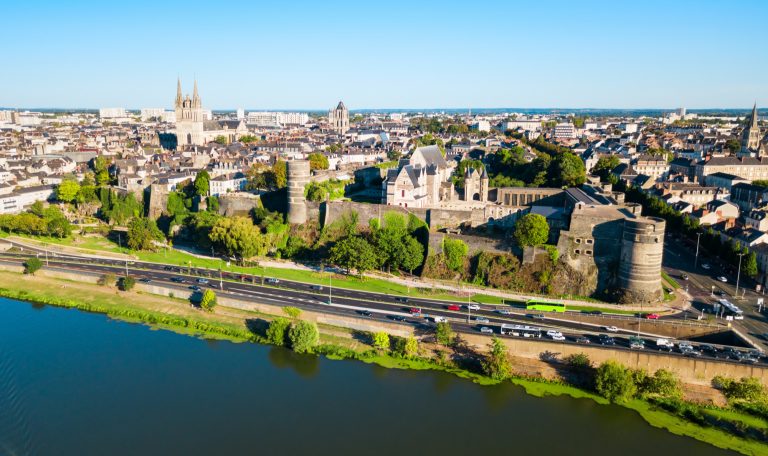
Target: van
[439, 319]
[665, 344]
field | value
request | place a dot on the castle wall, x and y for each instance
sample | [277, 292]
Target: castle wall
[237, 204]
[642, 248]
[298, 177]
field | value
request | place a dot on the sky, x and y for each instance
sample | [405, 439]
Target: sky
[385, 54]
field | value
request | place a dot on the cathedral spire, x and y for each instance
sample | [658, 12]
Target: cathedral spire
[195, 97]
[754, 116]
[178, 93]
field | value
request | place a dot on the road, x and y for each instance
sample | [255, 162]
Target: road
[679, 259]
[344, 302]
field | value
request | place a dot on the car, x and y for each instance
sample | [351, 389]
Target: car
[414, 311]
[273, 281]
[167, 268]
[719, 293]
[317, 287]
[612, 329]
[665, 344]
[203, 281]
[536, 316]
[652, 316]
[709, 350]
[692, 352]
[683, 346]
[583, 340]
[706, 266]
[473, 307]
[504, 311]
[453, 307]
[555, 335]
[684, 276]
[723, 279]
[214, 285]
[401, 299]
[439, 319]
[595, 312]
[636, 343]
[177, 280]
[194, 288]
[486, 330]
[365, 313]
[482, 320]
[732, 353]
[399, 318]
[606, 340]
[145, 280]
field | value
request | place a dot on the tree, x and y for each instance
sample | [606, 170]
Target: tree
[410, 254]
[67, 190]
[248, 139]
[237, 236]
[142, 234]
[202, 183]
[208, 301]
[317, 161]
[567, 170]
[32, 265]
[353, 252]
[455, 251]
[747, 389]
[106, 280]
[303, 336]
[733, 145]
[531, 229]
[615, 382]
[605, 164]
[212, 204]
[749, 264]
[411, 347]
[496, 364]
[279, 177]
[381, 340]
[100, 167]
[277, 331]
[221, 139]
[444, 333]
[126, 283]
[662, 383]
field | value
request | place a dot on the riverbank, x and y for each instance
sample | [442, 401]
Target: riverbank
[336, 343]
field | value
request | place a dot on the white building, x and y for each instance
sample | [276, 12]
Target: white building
[25, 197]
[481, 125]
[148, 113]
[112, 113]
[524, 124]
[240, 113]
[227, 183]
[565, 131]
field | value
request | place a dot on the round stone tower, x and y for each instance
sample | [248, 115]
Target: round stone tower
[298, 176]
[642, 248]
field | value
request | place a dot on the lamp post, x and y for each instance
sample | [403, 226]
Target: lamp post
[330, 288]
[738, 275]
[696, 260]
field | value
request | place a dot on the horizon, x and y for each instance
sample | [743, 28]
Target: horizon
[497, 54]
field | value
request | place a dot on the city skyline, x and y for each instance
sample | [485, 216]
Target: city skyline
[428, 56]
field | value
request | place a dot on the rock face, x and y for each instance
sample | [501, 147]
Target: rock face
[569, 281]
[298, 177]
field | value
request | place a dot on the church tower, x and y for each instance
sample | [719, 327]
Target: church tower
[750, 137]
[189, 118]
[339, 118]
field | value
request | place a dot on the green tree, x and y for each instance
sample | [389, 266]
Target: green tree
[212, 204]
[126, 283]
[733, 145]
[317, 161]
[615, 382]
[411, 347]
[662, 383]
[100, 167]
[444, 333]
[496, 364]
[208, 301]
[237, 236]
[278, 331]
[531, 229]
[291, 311]
[748, 389]
[202, 183]
[32, 265]
[278, 178]
[749, 263]
[303, 336]
[221, 139]
[353, 253]
[455, 251]
[381, 340]
[567, 170]
[67, 190]
[605, 164]
[248, 139]
[142, 234]
[410, 254]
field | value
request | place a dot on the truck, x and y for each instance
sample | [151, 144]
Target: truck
[665, 344]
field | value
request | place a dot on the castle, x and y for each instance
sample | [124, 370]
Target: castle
[192, 129]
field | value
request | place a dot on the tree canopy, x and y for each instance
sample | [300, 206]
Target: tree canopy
[67, 190]
[237, 236]
[318, 161]
[531, 229]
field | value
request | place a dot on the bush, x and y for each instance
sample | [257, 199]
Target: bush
[126, 283]
[615, 382]
[292, 312]
[208, 302]
[444, 333]
[662, 383]
[747, 389]
[578, 361]
[496, 364]
[531, 229]
[405, 347]
[32, 265]
[106, 280]
[277, 331]
[303, 336]
[381, 340]
[455, 251]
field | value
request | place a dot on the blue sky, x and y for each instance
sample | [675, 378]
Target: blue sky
[385, 54]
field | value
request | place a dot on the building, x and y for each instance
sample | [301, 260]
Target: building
[150, 113]
[339, 118]
[192, 127]
[21, 199]
[422, 180]
[227, 183]
[750, 137]
[112, 113]
[564, 131]
[653, 166]
[748, 168]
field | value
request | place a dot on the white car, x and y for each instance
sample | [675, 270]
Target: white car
[722, 279]
[612, 329]
[473, 307]
[482, 320]
[504, 311]
[705, 266]
[486, 330]
[555, 335]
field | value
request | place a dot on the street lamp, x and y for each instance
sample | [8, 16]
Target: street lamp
[696, 260]
[738, 275]
[330, 287]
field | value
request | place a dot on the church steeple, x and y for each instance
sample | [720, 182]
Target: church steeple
[753, 123]
[179, 98]
[195, 97]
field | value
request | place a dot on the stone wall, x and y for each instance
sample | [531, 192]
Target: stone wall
[475, 243]
[231, 204]
[158, 201]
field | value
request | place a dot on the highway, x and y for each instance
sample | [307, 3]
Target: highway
[376, 306]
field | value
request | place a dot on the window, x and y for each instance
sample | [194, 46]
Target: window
[588, 252]
[578, 241]
[590, 241]
[402, 193]
[577, 251]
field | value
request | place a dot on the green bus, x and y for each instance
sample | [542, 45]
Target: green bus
[546, 306]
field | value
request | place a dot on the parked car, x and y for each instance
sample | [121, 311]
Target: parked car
[486, 330]
[722, 279]
[453, 307]
[612, 329]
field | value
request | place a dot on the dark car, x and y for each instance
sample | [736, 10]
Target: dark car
[709, 350]
[168, 268]
[595, 312]
[583, 340]
[401, 299]
[194, 288]
[317, 287]
[607, 340]
[365, 313]
[145, 280]
[214, 285]
[397, 317]
[733, 354]
[177, 280]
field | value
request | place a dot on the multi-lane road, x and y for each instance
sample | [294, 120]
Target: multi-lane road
[376, 306]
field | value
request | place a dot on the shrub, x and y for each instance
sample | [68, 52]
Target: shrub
[303, 336]
[32, 265]
[578, 361]
[444, 333]
[126, 283]
[106, 280]
[496, 364]
[747, 389]
[277, 331]
[662, 383]
[615, 382]
[455, 251]
[292, 312]
[208, 302]
[381, 340]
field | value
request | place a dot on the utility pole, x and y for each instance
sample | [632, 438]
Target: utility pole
[696, 261]
[469, 304]
[221, 280]
[330, 288]
[738, 275]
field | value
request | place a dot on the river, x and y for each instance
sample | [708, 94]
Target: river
[73, 383]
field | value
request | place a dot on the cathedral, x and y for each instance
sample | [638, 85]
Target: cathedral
[191, 127]
[339, 119]
[751, 144]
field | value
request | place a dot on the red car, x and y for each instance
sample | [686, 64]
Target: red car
[415, 311]
[652, 316]
[454, 307]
